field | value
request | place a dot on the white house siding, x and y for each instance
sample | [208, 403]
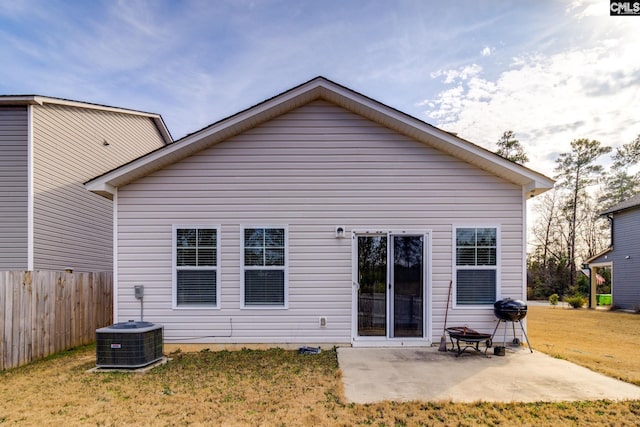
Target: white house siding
[312, 169]
[13, 187]
[72, 226]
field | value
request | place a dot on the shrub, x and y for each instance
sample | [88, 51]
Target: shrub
[553, 299]
[576, 301]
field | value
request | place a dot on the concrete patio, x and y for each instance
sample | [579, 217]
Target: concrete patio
[404, 374]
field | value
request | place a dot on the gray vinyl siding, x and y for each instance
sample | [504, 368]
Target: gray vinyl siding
[73, 228]
[14, 153]
[626, 271]
[312, 169]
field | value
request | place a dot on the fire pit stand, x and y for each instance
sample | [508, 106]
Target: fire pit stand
[470, 339]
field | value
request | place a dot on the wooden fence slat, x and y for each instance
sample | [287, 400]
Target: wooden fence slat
[15, 321]
[44, 312]
[25, 319]
[35, 338]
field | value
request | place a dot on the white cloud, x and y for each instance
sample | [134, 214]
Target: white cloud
[462, 73]
[548, 100]
[584, 8]
[486, 51]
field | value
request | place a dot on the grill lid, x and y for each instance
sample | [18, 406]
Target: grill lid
[510, 309]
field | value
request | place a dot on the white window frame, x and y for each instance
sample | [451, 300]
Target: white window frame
[285, 268]
[456, 267]
[175, 268]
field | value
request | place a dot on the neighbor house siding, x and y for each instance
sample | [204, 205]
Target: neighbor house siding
[73, 227]
[14, 152]
[311, 170]
[626, 278]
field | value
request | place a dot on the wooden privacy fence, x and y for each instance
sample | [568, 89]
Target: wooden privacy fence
[44, 312]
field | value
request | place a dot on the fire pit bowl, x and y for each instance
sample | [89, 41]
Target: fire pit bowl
[470, 339]
[511, 310]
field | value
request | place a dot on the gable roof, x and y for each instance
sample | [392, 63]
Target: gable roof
[533, 182]
[42, 100]
[631, 202]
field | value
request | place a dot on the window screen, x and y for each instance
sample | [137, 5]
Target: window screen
[196, 254]
[264, 255]
[476, 265]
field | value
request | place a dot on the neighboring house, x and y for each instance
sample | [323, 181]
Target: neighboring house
[48, 148]
[623, 256]
[318, 216]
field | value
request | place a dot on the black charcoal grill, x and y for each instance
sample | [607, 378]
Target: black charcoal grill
[511, 310]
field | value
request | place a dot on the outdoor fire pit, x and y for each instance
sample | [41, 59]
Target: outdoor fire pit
[469, 338]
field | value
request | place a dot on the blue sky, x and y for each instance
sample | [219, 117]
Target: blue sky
[549, 70]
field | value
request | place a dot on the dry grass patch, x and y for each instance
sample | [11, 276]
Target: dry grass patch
[274, 388]
[603, 341]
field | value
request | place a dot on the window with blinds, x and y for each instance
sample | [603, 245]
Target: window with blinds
[476, 265]
[196, 266]
[264, 264]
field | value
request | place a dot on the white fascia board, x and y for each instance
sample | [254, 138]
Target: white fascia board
[79, 104]
[162, 128]
[41, 100]
[18, 100]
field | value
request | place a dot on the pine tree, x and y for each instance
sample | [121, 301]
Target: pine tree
[511, 149]
[576, 170]
[619, 183]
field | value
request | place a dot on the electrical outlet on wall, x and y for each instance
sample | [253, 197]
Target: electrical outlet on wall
[323, 321]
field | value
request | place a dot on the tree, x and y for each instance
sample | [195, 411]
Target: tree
[547, 231]
[547, 263]
[511, 149]
[576, 170]
[619, 183]
[594, 230]
[628, 154]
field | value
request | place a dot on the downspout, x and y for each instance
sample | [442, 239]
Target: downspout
[610, 218]
[524, 244]
[523, 322]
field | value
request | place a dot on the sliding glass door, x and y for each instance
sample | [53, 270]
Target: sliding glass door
[390, 286]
